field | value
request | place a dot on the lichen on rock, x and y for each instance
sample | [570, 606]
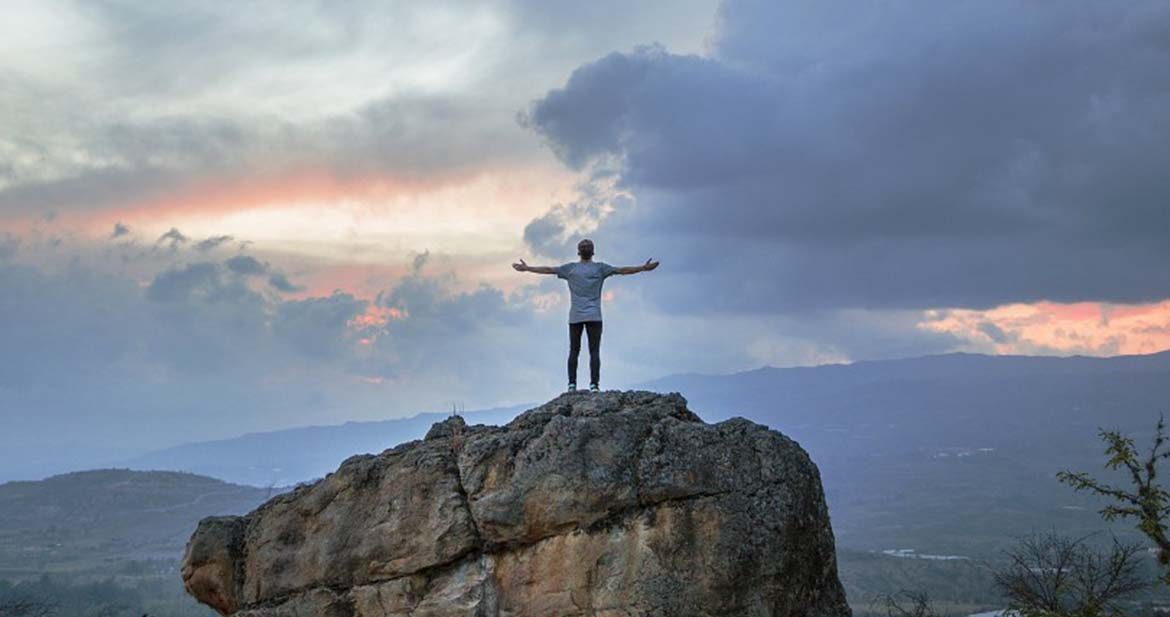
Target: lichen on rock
[610, 504]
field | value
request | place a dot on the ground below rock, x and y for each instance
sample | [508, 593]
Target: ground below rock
[601, 505]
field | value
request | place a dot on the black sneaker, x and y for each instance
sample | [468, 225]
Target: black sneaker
[572, 387]
[593, 388]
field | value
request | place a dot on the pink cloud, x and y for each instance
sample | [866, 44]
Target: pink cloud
[214, 196]
[1089, 328]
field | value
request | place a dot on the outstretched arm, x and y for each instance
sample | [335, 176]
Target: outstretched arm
[523, 267]
[646, 267]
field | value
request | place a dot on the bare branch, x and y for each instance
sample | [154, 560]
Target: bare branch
[917, 604]
[1050, 574]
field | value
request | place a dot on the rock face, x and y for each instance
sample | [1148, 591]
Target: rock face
[612, 504]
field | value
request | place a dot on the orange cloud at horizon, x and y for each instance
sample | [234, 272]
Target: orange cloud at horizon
[217, 196]
[1086, 328]
[356, 219]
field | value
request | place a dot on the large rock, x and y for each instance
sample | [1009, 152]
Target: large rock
[607, 505]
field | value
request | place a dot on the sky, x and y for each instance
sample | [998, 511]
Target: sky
[218, 218]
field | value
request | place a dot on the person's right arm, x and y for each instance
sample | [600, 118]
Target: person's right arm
[523, 267]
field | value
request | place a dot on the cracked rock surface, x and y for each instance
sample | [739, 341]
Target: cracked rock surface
[616, 504]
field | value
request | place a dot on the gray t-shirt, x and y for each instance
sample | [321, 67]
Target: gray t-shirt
[585, 279]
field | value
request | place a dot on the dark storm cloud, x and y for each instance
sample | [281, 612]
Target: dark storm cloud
[886, 155]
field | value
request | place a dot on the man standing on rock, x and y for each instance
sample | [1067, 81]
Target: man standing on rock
[585, 278]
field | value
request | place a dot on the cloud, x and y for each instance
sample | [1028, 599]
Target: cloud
[993, 332]
[420, 260]
[318, 327]
[212, 243]
[205, 350]
[228, 94]
[204, 281]
[9, 244]
[1045, 328]
[193, 350]
[557, 231]
[812, 180]
[837, 155]
[173, 238]
[404, 140]
[246, 265]
[66, 326]
[463, 341]
[280, 282]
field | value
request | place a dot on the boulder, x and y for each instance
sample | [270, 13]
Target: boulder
[608, 504]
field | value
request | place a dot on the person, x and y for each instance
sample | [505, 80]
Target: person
[585, 278]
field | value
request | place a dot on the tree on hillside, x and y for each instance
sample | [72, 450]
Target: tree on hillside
[1050, 575]
[1145, 500]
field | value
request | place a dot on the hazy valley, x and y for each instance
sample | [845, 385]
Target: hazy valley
[931, 467]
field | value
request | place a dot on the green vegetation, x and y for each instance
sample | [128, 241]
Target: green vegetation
[1047, 574]
[106, 543]
[958, 587]
[106, 520]
[59, 596]
[1145, 501]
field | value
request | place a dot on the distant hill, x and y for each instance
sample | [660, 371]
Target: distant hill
[952, 453]
[281, 458]
[953, 400]
[948, 454]
[86, 520]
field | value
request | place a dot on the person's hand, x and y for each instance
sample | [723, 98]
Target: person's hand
[520, 267]
[649, 265]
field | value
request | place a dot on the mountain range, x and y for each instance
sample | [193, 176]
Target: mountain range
[931, 467]
[285, 457]
[951, 455]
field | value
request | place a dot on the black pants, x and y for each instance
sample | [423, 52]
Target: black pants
[593, 329]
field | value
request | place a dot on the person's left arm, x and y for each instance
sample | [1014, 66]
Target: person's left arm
[646, 267]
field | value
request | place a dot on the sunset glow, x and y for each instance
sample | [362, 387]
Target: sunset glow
[1088, 328]
[264, 216]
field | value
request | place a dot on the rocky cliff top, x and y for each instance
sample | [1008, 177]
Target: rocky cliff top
[609, 504]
